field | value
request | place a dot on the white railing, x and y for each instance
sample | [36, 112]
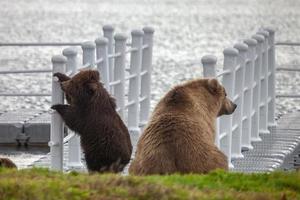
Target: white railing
[249, 78]
[31, 71]
[291, 67]
[129, 84]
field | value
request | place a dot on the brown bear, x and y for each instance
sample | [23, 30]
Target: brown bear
[181, 133]
[92, 114]
[5, 162]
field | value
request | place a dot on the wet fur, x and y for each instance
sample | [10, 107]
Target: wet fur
[5, 162]
[92, 114]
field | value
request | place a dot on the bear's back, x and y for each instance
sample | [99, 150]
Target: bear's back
[180, 135]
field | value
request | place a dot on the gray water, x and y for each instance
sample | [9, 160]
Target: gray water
[23, 156]
[185, 31]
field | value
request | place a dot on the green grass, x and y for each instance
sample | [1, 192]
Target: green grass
[42, 184]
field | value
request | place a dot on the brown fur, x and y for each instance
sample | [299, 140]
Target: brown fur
[181, 133]
[5, 162]
[92, 114]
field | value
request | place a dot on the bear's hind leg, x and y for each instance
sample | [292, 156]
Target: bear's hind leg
[218, 160]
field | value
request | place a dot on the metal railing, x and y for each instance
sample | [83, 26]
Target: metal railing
[32, 71]
[249, 78]
[288, 68]
[130, 86]
[37, 44]
[287, 43]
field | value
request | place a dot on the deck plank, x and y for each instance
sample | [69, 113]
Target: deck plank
[277, 150]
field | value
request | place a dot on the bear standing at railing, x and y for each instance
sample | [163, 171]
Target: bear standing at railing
[92, 114]
[180, 136]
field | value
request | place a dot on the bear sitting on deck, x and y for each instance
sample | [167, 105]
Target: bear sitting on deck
[5, 162]
[180, 136]
[92, 114]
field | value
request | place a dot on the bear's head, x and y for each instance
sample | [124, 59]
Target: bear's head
[5, 162]
[225, 105]
[204, 95]
[83, 87]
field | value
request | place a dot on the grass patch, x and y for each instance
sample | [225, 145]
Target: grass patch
[43, 184]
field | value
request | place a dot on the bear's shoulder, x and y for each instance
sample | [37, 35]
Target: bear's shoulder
[176, 96]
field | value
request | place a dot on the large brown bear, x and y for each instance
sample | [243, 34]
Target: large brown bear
[181, 133]
[92, 114]
[5, 162]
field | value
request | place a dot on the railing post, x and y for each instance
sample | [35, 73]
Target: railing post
[134, 84]
[209, 70]
[264, 83]
[209, 66]
[88, 53]
[248, 96]
[102, 53]
[71, 54]
[230, 63]
[146, 77]
[57, 127]
[74, 153]
[256, 89]
[271, 81]
[238, 115]
[108, 32]
[119, 72]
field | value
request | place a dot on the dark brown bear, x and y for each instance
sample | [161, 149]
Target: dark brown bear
[5, 162]
[92, 114]
[181, 133]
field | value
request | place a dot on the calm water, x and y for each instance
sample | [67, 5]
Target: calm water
[185, 31]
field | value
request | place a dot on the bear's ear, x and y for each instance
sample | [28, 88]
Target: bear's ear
[94, 75]
[213, 85]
